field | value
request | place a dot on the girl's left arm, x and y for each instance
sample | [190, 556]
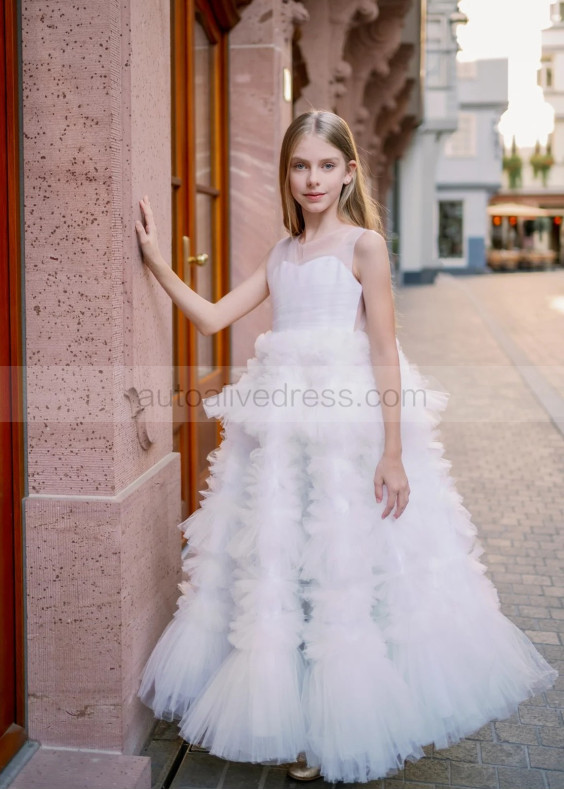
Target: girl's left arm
[372, 265]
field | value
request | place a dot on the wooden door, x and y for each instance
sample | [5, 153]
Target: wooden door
[200, 226]
[12, 721]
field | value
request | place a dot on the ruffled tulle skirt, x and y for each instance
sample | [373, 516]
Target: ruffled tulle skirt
[307, 623]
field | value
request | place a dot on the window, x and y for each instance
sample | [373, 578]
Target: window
[462, 143]
[451, 238]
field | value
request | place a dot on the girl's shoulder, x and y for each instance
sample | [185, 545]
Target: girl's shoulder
[369, 239]
[370, 236]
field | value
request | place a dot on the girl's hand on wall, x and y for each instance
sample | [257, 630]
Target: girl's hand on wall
[147, 235]
[390, 472]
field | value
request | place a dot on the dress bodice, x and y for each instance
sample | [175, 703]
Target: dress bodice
[312, 284]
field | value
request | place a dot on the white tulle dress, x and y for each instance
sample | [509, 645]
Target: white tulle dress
[308, 623]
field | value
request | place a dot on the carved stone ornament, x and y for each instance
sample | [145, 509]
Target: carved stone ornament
[342, 71]
[292, 13]
[342, 12]
[368, 10]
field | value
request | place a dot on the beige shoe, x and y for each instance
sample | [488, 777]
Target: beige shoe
[303, 772]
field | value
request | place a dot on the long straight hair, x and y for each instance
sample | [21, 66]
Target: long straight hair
[356, 206]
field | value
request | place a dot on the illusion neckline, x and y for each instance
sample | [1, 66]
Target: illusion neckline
[326, 236]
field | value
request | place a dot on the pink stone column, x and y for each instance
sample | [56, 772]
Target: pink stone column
[260, 47]
[103, 504]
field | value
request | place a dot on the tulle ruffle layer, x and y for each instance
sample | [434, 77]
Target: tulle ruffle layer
[308, 380]
[309, 623]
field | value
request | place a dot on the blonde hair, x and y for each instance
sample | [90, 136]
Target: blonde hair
[356, 206]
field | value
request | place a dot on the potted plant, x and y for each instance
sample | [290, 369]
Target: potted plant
[513, 165]
[542, 163]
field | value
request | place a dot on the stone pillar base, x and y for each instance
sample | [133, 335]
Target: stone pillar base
[75, 768]
[102, 576]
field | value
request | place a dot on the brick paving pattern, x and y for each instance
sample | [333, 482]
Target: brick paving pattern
[508, 463]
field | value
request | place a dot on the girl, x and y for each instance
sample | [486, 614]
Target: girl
[336, 609]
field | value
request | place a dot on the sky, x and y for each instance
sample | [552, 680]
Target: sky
[512, 29]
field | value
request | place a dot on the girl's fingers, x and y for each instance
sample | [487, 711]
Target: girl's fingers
[147, 216]
[403, 499]
[390, 504]
[398, 500]
[145, 228]
[378, 491]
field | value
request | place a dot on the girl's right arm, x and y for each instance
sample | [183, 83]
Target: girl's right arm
[208, 317]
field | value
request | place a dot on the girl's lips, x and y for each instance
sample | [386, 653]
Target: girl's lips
[314, 196]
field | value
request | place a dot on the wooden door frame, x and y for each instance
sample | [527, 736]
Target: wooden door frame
[181, 49]
[219, 147]
[16, 735]
[184, 131]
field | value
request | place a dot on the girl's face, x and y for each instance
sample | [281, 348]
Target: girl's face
[317, 173]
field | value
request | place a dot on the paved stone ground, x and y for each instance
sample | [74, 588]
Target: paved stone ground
[508, 463]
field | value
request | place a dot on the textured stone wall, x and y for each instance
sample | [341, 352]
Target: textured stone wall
[102, 547]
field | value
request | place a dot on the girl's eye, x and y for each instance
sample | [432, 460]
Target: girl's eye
[299, 165]
[329, 164]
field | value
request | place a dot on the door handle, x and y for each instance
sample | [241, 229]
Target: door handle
[190, 260]
[199, 259]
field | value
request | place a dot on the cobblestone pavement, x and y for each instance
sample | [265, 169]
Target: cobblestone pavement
[496, 342]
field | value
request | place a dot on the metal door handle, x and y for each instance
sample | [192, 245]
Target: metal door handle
[199, 260]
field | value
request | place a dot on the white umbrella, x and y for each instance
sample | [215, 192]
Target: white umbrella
[520, 210]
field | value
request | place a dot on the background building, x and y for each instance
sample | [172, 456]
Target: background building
[534, 175]
[551, 79]
[469, 171]
[416, 221]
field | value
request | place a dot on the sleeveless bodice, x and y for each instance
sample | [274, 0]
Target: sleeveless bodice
[312, 284]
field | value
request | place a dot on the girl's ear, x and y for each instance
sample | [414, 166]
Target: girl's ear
[351, 167]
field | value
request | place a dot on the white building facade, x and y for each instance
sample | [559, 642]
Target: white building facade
[545, 190]
[551, 79]
[469, 170]
[417, 169]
